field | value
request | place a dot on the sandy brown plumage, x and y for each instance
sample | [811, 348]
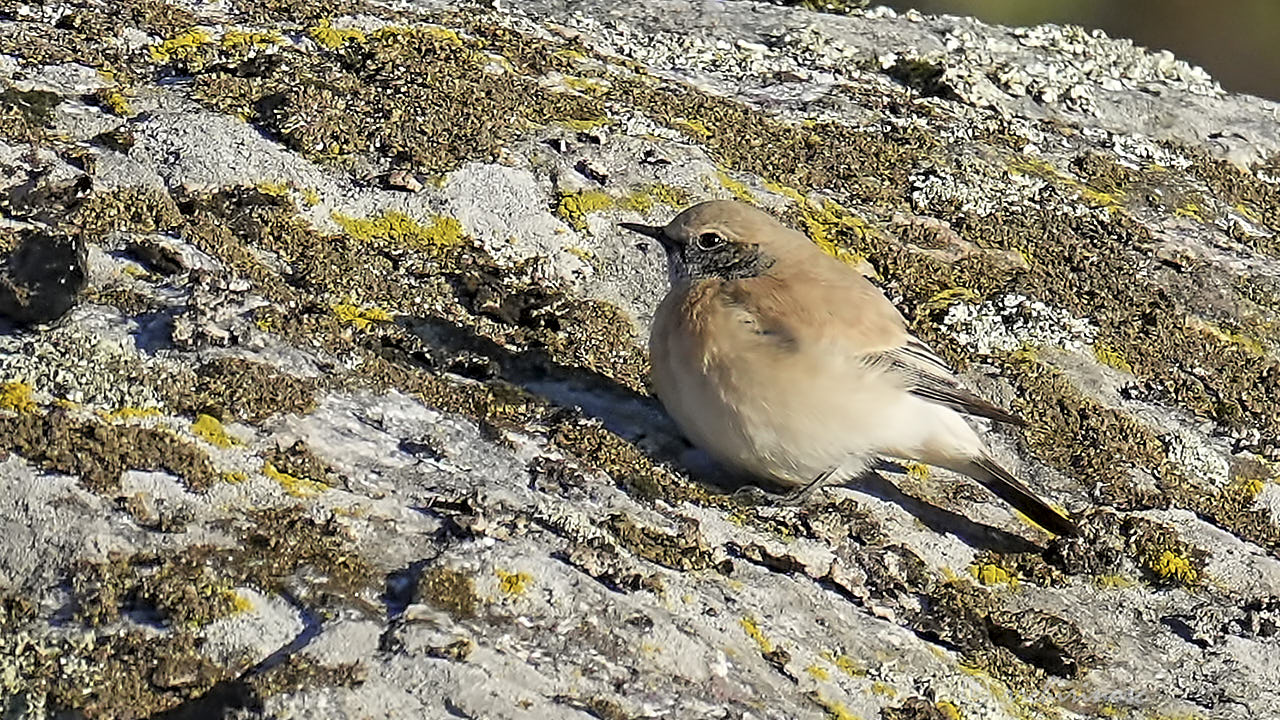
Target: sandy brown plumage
[782, 362]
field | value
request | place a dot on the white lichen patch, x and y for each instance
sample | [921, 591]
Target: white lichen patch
[937, 187]
[1013, 321]
[1200, 462]
[1073, 66]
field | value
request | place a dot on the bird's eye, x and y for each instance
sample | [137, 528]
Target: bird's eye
[709, 241]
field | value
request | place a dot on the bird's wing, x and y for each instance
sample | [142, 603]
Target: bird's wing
[828, 305]
[928, 376]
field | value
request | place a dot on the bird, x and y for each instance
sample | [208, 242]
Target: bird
[784, 363]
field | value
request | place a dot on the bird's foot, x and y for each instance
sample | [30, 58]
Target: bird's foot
[803, 494]
[752, 495]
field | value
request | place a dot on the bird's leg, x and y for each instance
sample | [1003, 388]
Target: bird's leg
[801, 495]
[751, 495]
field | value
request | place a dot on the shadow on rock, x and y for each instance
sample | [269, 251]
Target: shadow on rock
[42, 276]
[641, 420]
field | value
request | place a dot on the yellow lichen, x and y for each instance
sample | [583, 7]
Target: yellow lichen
[129, 413]
[293, 485]
[180, 47]
[946, 298]
[1111, 358]
[1230, 337]
[235, 478]
[587, 86]
[117, 103]
[210, 429]
[580, 125]
[752, 628]
[272, 187]
[1113, 581]
[884, 689]
[846, 664]
[1175, 566]
[917, 471]
[1248, 213]
[991, 574]
[825, 224]
[513, 583]
[326, 35]
[585, 256]
[1247, 488]
[361, 317]
[239, 603]
[949, 710]
[644, 199]
[1190, 210]
[1099, 199]
[1035, 167]
[693, 127]
[396, 227]
[16, 396]
[736, 188]
[817, 672]
[574, 207]
[836, 710]
[246, 40]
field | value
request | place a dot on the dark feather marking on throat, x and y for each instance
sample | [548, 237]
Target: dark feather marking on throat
[733, 261]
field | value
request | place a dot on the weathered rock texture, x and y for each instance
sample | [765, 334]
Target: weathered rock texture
[351, 418]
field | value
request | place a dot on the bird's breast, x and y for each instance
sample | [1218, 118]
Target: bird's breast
[754, 400]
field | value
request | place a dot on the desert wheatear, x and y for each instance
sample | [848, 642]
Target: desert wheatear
[783, 362]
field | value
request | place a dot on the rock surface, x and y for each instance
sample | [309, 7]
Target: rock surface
[351, 419]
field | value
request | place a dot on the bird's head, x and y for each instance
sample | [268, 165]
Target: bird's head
[718, 239]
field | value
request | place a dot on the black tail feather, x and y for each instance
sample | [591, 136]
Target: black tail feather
[1011, 490]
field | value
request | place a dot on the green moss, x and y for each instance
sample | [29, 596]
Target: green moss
[25, 113]
[131, 209]
[229, 387]
[1234, 187]
[98, 453]
[684, 551]
[298, 672]
[181, 589]
[450, 590]
[626, 463]
[420, 95]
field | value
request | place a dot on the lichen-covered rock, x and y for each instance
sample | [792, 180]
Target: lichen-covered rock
[351, 417]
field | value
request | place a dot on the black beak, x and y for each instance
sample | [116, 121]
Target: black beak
[651, 231]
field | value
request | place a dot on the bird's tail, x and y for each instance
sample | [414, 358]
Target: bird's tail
[1011, 490]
